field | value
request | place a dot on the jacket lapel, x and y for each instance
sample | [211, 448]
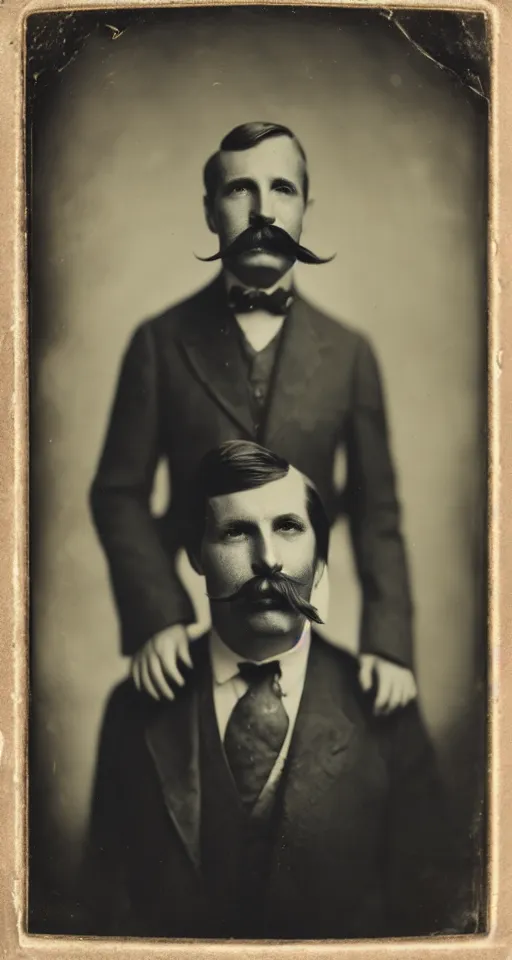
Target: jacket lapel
[173, 741]
[299, 359]
[322, 749]
[211, 345]
[323, 744]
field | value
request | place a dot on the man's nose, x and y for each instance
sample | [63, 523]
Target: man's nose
[263, 570]
[261, 220]
[265, 554]
[262, 214]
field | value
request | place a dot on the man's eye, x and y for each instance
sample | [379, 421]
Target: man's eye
[236, 190]
[290, 526]
[235, 533]
[286, 188]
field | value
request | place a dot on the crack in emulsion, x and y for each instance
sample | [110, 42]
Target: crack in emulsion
[467, 45]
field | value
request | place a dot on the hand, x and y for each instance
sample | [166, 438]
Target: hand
[157, 661]
[396, 685]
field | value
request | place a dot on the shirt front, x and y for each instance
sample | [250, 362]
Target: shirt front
[259, 326]
[260, 366]
[259, 336]
[228, 687]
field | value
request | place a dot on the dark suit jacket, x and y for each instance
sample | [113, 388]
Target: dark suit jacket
[182, 391]
[362, 846]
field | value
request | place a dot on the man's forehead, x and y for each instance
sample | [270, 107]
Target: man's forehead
[283, 496]
[275, 156]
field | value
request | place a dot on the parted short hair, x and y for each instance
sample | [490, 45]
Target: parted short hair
[243, 137]
[238, 465]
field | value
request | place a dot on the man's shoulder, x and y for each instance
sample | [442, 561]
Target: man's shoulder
[403, 729]
[335, 662]
[129, 708]
[177, 317]
[332, 329]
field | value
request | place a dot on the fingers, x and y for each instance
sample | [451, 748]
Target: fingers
[135, 671]
[155, 667]
[170, 666]
[394, 698]
[384, 692]
[367, 664]
[169, 645]
[146, 680]
[410, 691]
[184, 653]
[157, 676]
[396, 687]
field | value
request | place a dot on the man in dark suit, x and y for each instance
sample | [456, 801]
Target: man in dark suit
[266, 800]
[248, 357]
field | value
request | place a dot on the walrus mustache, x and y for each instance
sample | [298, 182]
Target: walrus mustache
[278, 586]
[270, 238]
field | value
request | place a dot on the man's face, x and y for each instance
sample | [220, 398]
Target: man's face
[265, 181]
[247, 534]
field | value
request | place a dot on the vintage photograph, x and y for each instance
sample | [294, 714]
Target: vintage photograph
[258, 474]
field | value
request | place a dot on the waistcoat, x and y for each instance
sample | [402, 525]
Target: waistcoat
[236, 846]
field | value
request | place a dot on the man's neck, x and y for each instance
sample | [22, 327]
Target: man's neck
[260, 327]
[284, 283]
[262, 648]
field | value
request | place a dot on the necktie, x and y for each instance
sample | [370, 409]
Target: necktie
[256, 729]
[244, 301]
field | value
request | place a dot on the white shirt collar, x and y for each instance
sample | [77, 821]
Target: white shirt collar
[293, 662]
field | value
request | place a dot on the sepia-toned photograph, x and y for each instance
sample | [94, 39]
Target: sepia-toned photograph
[258, 327]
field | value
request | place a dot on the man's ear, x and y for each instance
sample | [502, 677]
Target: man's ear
[307, 206]
[320, 592]
[319, 572]
[209, 215]
[195, 561]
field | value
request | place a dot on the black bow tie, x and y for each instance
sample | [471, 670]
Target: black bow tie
[245, 301]
[254, 673]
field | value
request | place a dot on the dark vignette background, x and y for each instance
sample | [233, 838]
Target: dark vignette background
[441, 52]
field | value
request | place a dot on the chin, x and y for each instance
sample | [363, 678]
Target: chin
[259, 257]
[271, 622]
[260, 268]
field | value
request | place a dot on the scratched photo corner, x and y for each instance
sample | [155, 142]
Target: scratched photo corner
[258, 472]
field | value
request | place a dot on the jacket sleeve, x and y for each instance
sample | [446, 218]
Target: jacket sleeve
[374, 517]
[104, 898]
[431, 875]
[147, 590]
